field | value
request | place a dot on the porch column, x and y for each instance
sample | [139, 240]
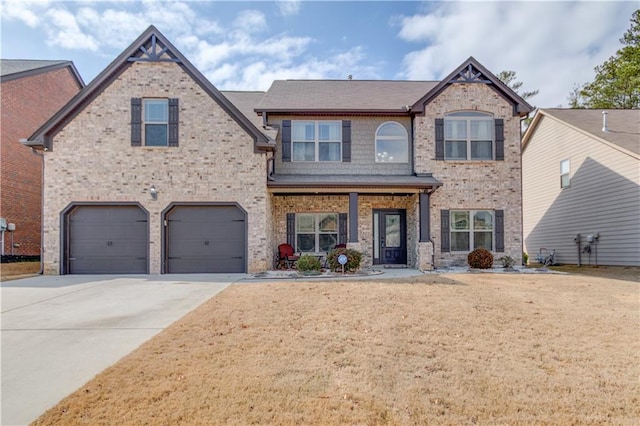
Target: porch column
[353, 217]
[425, 224]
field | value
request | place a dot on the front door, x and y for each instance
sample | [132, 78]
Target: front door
[390, 237]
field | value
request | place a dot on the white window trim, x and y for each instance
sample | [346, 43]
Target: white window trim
[471, 231]
[316, 141]
[564, 173]
[145, 122]
[317, 232]
[404, 139]
[457, 116]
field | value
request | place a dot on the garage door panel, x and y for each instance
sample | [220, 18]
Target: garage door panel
[206, 239]
[107, 239]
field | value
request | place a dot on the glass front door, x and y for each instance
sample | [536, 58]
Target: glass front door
[390, 239]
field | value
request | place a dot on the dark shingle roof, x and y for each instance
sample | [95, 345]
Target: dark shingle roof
[343, 95]
[15, 66]
[623, 124]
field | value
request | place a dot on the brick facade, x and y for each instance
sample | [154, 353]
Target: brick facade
[485, 185]
[27, 103]
[92, 160]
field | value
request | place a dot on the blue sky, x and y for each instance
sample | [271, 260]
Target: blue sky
[245, 45]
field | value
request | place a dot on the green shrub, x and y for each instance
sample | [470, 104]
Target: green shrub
[354, 258]
[507, 261]
[480, 259]
[308, 263]
[525, 258]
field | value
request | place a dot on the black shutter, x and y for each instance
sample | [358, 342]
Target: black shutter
[286, 140]
[342, 228]
[173, 122]
[499, 230]
[291, 229]
[346, 141]
[136, 122]
[439, 139]
[499, 128]
[444, 231]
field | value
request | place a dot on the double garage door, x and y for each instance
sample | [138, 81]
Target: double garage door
[114, 239]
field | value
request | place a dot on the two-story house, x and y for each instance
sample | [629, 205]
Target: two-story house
[153, 170]
[32, 91]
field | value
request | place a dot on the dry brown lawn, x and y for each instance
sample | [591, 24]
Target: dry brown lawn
[11, 271]
[455, 349]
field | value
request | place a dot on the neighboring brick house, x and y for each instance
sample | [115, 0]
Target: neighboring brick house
[153, 170]
[581, 185]
[32, 91]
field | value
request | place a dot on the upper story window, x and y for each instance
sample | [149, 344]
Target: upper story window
[156, 122]
[316, 140]
[392, 143]
[468, 135]
[565, 169]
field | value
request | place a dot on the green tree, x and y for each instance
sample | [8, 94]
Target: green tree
[509, 78]
[617, 80]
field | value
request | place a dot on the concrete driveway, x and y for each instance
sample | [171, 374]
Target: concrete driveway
[58, 332]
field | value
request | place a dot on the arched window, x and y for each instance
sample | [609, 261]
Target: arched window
[392, 143]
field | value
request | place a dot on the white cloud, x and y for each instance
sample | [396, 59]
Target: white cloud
[250, 21]
[67, 32]
[23, 10]
[551, 45]
[288, 7]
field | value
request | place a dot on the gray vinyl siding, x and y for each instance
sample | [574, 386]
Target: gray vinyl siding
[363, 130]
[603, 197]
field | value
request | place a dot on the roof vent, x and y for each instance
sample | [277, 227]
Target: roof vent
[604, 122]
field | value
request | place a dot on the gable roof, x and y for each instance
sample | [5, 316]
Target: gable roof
[343, 96]
[471, 71]
[151, 45]
[623, 125]
[13, 69]
[246, 102]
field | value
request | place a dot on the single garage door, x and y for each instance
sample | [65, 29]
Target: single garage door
[107, 240]
[206, 239]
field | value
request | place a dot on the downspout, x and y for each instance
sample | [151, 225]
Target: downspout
[41, 155]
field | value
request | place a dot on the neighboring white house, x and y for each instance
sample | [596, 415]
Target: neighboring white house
[581, 186]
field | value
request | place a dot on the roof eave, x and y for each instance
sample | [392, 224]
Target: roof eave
[333, 111]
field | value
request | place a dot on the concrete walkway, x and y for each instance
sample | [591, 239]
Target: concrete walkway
[58, 332]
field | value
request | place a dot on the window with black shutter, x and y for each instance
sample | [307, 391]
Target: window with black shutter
[156, 121]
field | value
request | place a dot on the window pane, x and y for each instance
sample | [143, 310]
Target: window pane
[156, 110]
[455, 129]
[305, 223]
[564, 166]
[460, 220]
[303, 131]
[482, 130]
[455, 150]
[328, 222]
[483, 240]
[155, 135]
[329, 131]
[460, 241]
[391, 151]
[304, 151]
[392, 230]
[329, 151]
[482, 220]
[481, 150]
[306, 242]
[392, 129]
[564, 181]
[328, 241]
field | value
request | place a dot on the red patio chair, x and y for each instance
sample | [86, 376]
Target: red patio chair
[286, 257]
